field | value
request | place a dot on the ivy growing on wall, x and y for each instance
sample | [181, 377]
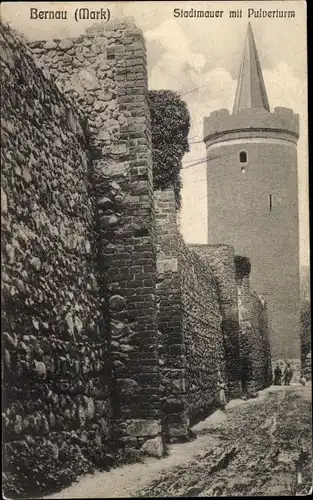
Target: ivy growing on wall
[243, 266]
[170, 123]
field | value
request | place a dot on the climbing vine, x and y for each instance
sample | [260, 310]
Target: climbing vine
[170, 123]
[243, 266]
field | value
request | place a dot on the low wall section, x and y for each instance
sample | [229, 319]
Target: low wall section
[202, 327]
[189, 323]
[221, 260]
[255, 353]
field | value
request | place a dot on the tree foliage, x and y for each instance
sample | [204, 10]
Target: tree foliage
[170, 123]
[243, 266]
[305, 318]
[305, 312]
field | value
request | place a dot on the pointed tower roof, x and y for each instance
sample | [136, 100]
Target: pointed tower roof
[251, 91]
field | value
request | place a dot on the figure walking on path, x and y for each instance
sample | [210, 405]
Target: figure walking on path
[288, 373]
[277, 375]
[221, 388]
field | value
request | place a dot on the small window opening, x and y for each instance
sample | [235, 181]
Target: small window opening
[270, 202]
[243, 170]
[243, 157]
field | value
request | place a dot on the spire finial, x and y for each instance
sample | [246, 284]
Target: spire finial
[251, 91]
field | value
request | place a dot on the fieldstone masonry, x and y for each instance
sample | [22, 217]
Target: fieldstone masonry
[221, 259]
[204, 338]
[113, 329]
[55, 363]
[256, 368]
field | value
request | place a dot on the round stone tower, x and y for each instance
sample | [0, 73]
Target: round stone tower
[253, 196]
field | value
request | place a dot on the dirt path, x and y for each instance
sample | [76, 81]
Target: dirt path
[224, 457]
[126, 480]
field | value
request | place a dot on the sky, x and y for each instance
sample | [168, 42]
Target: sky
[200, 58]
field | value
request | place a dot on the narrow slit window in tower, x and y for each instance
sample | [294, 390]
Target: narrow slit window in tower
[243, 157]
[270, 202]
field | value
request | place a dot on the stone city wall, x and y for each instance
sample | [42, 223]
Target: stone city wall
[113, 329]
[202, 329]
[56, 375]
[172, 358]
[262, 354]
[254, 339]
[307, 367]
[221, 260]
[189, 323]
[105, 72]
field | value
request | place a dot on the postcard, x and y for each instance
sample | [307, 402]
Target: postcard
[155, 280]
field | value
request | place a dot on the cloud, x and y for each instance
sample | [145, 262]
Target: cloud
[205, 89]
[181, 69]
[284, 87]
[178, 66]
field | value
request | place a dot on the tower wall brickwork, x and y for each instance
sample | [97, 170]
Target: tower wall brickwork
[254, 207]
[253, 196]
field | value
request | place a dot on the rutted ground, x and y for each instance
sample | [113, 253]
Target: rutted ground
[252, 450]
[259, 446]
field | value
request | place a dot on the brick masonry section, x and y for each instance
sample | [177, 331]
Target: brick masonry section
[172, 355]
[189, 323]
[105, 71]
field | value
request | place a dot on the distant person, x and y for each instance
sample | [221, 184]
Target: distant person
[303, 380]
[221, 388]
[277, 375]
[246, 374]
[288, 373]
